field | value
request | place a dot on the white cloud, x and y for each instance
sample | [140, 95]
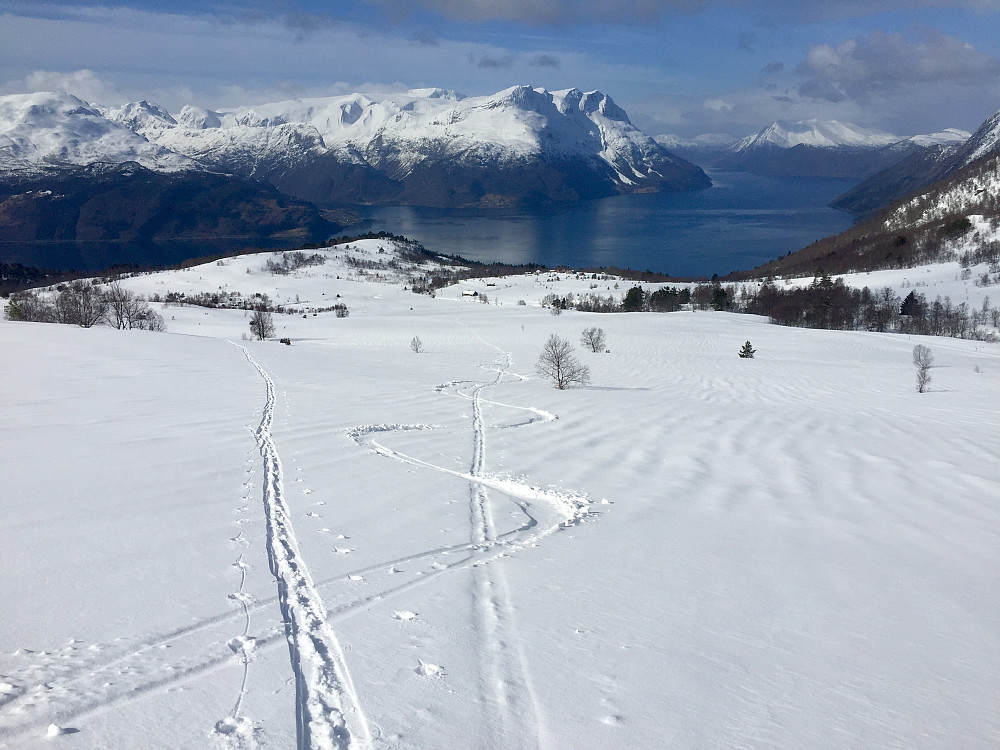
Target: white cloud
[217, 62]
[82, 83]
[864, 67]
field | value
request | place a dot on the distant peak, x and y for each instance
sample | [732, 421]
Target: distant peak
[817, 133]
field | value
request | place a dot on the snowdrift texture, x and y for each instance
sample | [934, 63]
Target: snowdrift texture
[341, 543]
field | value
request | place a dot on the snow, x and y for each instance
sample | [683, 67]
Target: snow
[792, 551]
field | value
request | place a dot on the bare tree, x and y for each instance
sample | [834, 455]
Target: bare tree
[120, 304]
[558, 363]
[127, 310]
[262, 324]
[922, 360]
[416, 344]
[81, 304]
[593, 338]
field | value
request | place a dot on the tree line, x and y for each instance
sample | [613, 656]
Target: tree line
[84, 304]
[823, 304]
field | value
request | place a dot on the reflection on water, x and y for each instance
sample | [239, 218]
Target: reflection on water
[742, 221]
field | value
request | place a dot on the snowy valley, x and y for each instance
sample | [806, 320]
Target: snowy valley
[346, 543]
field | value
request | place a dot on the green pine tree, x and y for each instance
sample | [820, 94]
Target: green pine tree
[747, 351]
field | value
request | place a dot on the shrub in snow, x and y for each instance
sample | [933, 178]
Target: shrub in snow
[922, 360]
[558, 363]
[747, 351]
[593, 338]
[416, 344]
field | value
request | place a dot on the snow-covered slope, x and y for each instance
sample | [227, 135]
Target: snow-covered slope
[341, 543]
[986, 140]
[46, 131]
[973, 191]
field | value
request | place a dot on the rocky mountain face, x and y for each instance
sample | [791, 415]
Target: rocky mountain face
[920, 169]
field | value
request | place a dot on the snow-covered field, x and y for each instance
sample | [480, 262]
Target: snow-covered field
[216, 543]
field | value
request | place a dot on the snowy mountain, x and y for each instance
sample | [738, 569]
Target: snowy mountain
[522, 146]
[814, 133]
[815, 148]
[920, 169]
[46, 131]
[422, 147]
[428, 146]
[289, 155]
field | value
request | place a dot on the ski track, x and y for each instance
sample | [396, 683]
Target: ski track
[511, 709]
[65, 685]
[328, 712]
[508, 698]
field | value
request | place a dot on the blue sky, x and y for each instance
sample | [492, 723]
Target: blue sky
[677, 66]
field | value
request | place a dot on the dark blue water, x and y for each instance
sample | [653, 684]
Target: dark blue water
[742, 221]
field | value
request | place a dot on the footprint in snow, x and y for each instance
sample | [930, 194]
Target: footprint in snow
[243, 644]
[613, 721]
[311, 514]
[306, 492]
[355, 578]
[232, 725]
[55, 730]
[343, 550]
[426, 669]
[404, 614]
[394, 569]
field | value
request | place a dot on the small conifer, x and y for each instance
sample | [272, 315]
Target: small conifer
[747, 351]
